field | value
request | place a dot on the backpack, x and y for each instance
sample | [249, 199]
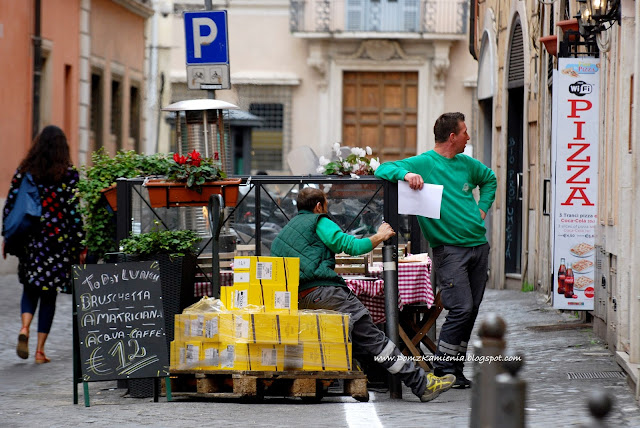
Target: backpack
[24, 215]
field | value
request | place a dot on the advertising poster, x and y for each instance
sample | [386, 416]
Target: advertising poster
[575, 192]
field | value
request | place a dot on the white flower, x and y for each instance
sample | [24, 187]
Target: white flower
[354, 175]
[359, 152]
[374, 163]
[321, 169]
[369, 151]
[323, 161]
[336, 148]
[346, 165]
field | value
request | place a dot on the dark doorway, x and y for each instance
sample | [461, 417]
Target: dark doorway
[513, 209]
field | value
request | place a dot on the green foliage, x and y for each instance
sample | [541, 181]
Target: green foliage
[176, 242]
[527, 287]
[99, 221]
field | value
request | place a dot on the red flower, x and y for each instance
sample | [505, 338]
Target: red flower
[179, 159]
[216, 156]
[195, 158]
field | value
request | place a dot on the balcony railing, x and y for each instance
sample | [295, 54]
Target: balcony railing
[333, 17]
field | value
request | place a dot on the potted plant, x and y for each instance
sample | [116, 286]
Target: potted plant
[175, 251]
[356, 163]
[190, 180]
[97, 182]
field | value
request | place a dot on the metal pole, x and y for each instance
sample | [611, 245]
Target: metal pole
[211, 94]
[216, 206]
[390, 275]
[258, 218]
[124, 213]
[37, 72]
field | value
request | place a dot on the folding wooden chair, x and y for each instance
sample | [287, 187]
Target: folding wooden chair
[415, 322]
[245, 250]
[346, 264]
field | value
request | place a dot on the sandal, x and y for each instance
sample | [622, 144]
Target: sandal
[41, 358]
[23, 346]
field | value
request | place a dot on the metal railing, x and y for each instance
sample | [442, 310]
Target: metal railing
[404, 16]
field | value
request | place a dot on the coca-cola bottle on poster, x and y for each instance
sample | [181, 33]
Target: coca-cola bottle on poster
[562, 274]
[568, 283]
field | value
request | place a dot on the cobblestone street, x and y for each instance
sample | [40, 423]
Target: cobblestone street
[42, 395]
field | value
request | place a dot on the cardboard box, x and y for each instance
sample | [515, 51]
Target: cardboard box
[178, 357]
[218, 327]
[192, 354]
[210, 356]
[323, 326]
[265, 328]
[234, 356]
[178, 328]
[293, 356]
[266, 357]
[327, 356]
[269, 282]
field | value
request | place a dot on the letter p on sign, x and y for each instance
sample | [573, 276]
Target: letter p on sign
[198, 38]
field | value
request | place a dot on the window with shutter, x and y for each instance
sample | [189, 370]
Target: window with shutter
[516, 57]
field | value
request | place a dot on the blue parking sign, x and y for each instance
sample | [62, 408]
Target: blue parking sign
[206, 37]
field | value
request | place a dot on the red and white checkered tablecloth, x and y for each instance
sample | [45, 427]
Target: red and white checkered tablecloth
[414, 286]
[202, 287]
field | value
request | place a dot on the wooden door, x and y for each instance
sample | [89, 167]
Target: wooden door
[380, 110]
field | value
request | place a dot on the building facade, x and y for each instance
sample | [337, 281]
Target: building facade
[514, 126]
[77, 64]
[362, 73]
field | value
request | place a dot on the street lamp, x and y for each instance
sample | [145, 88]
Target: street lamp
[594, 15]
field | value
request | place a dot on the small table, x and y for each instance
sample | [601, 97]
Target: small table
[419, 308]
[414, 286]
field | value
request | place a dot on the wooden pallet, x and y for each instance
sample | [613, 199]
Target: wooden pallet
[310, 386]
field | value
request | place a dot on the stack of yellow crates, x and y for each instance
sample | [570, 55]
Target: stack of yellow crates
[256, 325]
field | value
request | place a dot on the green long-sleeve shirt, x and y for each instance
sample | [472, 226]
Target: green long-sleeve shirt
[340, 242]
[460, 223]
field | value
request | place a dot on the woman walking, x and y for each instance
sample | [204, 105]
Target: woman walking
[50, 248]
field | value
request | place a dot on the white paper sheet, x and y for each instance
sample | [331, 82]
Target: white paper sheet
[425, 202]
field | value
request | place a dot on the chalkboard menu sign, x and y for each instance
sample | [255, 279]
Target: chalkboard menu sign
[120, 321]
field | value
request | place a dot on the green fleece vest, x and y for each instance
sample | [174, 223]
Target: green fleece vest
[317, 262]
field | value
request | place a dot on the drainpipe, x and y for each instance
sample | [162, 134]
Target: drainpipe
[473, 12]
[37, 71]
[153, 104]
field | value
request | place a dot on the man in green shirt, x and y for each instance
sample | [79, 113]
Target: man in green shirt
[315, 239]
[460, 247]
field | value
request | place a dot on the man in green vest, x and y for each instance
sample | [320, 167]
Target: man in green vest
[315, 239]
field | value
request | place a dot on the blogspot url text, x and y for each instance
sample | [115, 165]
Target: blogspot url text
[469, 358]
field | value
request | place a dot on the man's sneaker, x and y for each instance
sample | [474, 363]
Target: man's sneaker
[461, 382]
[436, 385]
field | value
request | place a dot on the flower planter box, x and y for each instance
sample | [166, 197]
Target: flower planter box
[353, 191]
[167, 194]
[111, 195]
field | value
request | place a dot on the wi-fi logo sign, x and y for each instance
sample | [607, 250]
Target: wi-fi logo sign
[580, 88]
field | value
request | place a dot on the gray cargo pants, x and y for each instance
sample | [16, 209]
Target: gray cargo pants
[366, 337]
[461, 276]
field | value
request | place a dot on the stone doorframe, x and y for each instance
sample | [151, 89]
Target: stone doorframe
[378, 55]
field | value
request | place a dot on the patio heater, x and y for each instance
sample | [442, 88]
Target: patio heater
[203, 125]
